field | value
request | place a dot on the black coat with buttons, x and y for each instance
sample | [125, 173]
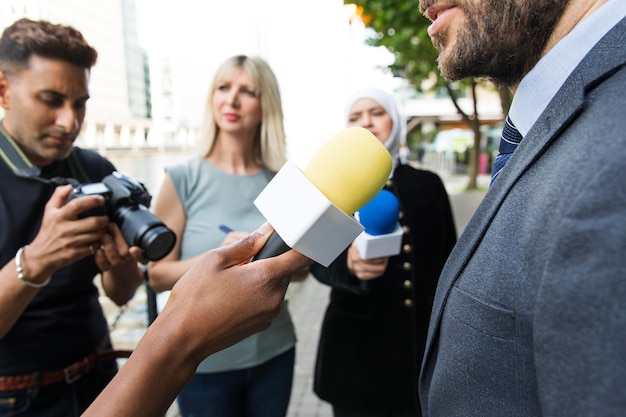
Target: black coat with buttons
[373, 333]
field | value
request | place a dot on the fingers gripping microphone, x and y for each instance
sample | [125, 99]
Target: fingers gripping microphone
[311, 211]
[382, 235]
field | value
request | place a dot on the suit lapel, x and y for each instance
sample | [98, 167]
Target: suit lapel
[564, 107]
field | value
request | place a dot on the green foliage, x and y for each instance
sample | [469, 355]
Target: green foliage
[416, 137]
[399, 26]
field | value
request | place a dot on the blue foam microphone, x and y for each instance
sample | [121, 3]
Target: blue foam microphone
[382, 236]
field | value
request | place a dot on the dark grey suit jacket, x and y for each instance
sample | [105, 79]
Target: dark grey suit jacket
[529, 318]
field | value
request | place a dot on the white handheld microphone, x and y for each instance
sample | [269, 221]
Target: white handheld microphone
[311, 211]
[382, 235]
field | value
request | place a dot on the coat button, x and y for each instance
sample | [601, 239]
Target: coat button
[407, 266]
[407, 248]
[401, 215]
[389, 183]
[406, 229]
[407, 283]
[408, 303]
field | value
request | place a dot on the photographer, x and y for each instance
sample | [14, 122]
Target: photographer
[55, 352]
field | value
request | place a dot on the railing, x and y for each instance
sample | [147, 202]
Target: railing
[135, 135]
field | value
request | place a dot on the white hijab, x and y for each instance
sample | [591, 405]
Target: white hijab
[388, 102]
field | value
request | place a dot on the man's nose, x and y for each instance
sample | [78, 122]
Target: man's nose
[68, 119]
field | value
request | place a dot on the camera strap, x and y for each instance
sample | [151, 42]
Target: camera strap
[14, 158]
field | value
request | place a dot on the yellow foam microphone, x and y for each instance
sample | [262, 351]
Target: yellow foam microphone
[311, 211]
[350, 169]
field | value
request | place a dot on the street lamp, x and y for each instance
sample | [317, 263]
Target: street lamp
[352, 12]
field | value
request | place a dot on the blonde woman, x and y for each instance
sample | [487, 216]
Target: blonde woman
[208, 202]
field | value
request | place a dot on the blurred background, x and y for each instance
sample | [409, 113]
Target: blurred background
[156, 61]
[157, 57]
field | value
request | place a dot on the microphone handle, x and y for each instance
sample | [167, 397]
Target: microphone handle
[273, 247]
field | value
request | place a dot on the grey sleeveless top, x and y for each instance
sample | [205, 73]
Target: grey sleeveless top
[210, 198]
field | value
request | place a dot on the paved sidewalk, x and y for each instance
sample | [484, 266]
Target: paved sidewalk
[307, 303]
[308, 299]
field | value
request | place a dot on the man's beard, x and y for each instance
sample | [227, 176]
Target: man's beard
[500, 39]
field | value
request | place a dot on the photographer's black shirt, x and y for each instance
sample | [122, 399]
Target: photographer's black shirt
[64, 322]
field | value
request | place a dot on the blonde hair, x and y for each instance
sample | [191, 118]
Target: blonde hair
[270, 143]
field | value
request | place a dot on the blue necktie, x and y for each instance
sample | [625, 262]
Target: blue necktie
[508, 143]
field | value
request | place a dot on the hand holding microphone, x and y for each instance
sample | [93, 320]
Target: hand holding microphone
[311, 211]
[365, 269]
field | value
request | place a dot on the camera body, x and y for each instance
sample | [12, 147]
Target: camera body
[126, 204]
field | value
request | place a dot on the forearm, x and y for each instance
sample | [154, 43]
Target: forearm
[218, 302]
[300, 275]
[163, 275]
[121, 281]
[15, 295]
[147, 384]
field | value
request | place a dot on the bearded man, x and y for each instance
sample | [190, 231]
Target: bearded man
[529, 318]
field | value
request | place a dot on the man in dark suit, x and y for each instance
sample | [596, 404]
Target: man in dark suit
[529, 318]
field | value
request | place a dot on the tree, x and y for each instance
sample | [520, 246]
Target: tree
[403, 30]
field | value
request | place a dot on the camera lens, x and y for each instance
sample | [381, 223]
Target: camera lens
[157, 242]
[142, 228]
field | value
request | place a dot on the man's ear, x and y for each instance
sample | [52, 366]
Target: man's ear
[5, 91]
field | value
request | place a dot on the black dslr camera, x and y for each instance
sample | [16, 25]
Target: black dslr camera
[126, 203]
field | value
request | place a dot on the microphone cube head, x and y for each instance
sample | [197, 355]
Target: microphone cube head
[383, 235]
[304, 218]
[379, 246]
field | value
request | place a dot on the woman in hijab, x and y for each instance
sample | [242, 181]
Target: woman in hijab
[374, 329]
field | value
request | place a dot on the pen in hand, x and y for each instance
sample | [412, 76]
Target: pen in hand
[225, 229]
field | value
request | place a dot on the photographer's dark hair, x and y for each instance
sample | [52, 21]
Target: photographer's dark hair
[27, 37]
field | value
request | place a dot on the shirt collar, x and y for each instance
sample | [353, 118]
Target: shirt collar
[541, 84]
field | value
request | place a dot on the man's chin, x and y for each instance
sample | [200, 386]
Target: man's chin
[50, 155]
[63, 153]
[447, 68]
